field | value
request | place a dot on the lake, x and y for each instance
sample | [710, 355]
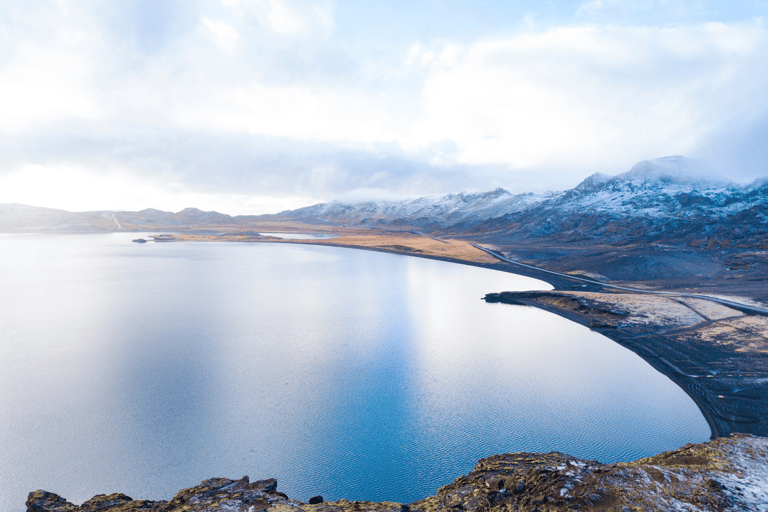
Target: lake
[146, 368]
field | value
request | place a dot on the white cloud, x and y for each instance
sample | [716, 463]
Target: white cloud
[76, 188]
[46, 71]
[297, 111]
[289, 17]
[240, 75]
[225, 35]
[69, 186]
[589, 94]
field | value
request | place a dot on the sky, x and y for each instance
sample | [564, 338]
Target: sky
[257, 106]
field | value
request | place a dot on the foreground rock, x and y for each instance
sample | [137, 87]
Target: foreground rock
[729, 474]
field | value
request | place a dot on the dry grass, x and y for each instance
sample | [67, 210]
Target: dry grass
[402, 243]
[744, 334]
[646, 309]
[414, 244]
[709, 309]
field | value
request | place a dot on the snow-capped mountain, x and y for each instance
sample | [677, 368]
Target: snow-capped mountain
[424, 212]
[671, 199]
[666, 186]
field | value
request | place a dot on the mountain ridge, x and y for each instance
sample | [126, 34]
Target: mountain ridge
[673, 200]
[662, 200]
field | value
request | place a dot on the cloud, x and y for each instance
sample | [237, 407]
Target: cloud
[77, 188]
[45, 71]
[225, 34]
[670, 10]
[739, 150]
[262, 97]
[290, 18]
[578, 96]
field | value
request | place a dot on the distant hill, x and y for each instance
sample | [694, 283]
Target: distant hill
[19, 218]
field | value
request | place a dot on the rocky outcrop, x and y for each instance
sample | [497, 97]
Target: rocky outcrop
[725, 474]
[212, 494]
[728, 474]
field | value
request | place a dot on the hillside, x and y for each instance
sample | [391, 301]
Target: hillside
[661, 201]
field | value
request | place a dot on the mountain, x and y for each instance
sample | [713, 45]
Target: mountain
[671, 200]
[425, 212]
[668, 200]
[663, 200]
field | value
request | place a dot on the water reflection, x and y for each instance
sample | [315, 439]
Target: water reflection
[146, 368]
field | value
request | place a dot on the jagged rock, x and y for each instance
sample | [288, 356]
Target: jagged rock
[43, 501]
[727, 474]
[315, 500]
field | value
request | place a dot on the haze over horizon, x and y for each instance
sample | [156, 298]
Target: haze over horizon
[257, 106]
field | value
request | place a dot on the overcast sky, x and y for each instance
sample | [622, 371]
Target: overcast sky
[255, 106]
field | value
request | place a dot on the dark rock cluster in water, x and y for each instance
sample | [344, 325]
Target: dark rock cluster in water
[724, 474]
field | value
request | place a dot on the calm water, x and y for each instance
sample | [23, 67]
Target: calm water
[146, 368]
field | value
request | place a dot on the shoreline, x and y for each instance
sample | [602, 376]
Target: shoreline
[722, 364]
[557, 282]
[721, 400]
[693, 355]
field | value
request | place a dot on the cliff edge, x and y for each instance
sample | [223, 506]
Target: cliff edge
[728, 474]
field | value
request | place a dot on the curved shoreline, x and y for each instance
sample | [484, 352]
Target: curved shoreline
[720, 398]
[729, 383]
[730, 398]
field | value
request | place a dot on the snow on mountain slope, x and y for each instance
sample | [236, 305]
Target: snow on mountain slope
[669, 186]
[662, 187]
[673, 199]
[425, 211]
